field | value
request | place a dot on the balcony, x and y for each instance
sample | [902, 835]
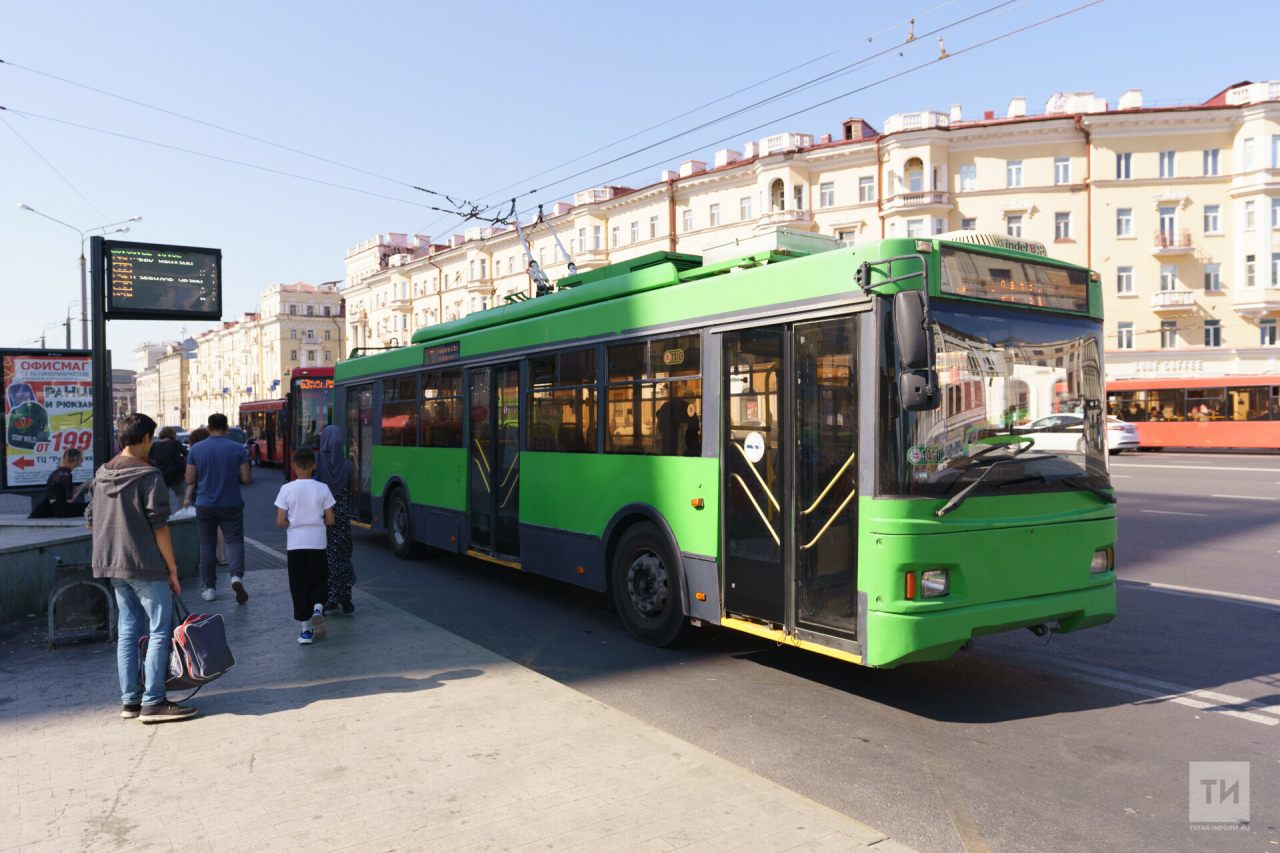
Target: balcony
[907, 201]
[777, 218]
[1172, 243]
[1253, 302]
[1167, 303]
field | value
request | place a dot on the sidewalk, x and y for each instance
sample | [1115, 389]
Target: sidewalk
[392, 734]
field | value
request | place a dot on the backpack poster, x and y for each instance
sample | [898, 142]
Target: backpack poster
[48, 409]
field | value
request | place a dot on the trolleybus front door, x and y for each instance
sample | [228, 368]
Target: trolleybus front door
[360, 448]
[493, 469]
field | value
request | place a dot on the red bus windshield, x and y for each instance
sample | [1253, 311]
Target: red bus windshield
[312, 410]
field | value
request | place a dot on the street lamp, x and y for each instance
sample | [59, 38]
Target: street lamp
[68, 321]
[47, 327]
[84, 293]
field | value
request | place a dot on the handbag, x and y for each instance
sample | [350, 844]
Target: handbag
[199, 652]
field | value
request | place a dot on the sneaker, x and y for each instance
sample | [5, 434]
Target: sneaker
[165, 712]
[208, 594]
[128, 712]
[318, 628]
[237, 584]
[305, 638]
[347, 607]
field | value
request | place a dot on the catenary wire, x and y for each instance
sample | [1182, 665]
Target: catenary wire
[227, 130]
[65, 179]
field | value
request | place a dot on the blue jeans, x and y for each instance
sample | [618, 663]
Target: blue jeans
[146, 608]
[231, 520]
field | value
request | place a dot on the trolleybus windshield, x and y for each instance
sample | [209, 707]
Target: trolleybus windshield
[1019, 388]
[312, 410]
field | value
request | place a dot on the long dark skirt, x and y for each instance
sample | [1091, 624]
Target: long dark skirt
[342, 575]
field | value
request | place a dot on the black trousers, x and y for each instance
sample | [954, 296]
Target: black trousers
[308, 581]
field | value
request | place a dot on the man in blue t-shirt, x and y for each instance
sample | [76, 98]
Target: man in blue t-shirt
[216, 467]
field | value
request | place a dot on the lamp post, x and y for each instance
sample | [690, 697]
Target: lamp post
[68, 321]
[84, 292]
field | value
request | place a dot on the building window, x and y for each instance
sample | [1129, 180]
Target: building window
[1275, 152]
[1062, 226]
[326, 311]
[939, 226]
[1211, 223]
[1248, 155]
[328, 356]
[686, 221]
[1124, 280]
[617, 236]
[968, 225]
[799, 194]
[653, 227]
[1250, 271]
[311, 310]
[1122, 166]
[1275, 213]
[1062, 170]
[714, 217]
[1250, 219]
[311, 356]
[1013, 173]
[1168, 222]
[1275, 270]
[915, 175]
[293, 355]
[744, 208]
[293, 334]
[293, 309]
[1210, 161]
[1213, 333]
[915, 228]
[328, 334]
[1166, 164]
[596, 236]
[1268, 328]
[1013, 226]
[542, 256]
[1168, 334]
[1124, 222]
[635, 232]
[311, 334]
[827, 195]
[1212, 278]
[866, 189]
[1124, 336]
[1168, 277]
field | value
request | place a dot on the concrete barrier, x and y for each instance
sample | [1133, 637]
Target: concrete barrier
[28, 548]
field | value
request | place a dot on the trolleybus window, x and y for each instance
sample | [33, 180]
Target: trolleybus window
[562, 417]
[1195, 404]
[1020, 391]
[440, 421]
[400, 412]
[313, 410]
[655, 398]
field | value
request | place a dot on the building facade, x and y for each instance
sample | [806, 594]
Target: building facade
[1177, 207]
[297, 325]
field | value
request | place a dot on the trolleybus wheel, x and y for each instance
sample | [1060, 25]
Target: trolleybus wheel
[399, 528]
[646, 587]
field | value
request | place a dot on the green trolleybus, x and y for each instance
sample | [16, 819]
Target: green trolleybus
[819, 444]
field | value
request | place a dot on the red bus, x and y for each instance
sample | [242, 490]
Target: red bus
[310, 409]
[1223, 411]
[263, 425]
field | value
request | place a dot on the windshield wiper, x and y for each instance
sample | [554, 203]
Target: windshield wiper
[1033, 478]
[955, 502]
[1106, 496]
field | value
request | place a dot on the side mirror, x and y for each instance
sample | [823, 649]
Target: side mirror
[918, 390]
[912, 329]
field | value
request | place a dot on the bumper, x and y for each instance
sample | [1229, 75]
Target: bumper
[894, 638]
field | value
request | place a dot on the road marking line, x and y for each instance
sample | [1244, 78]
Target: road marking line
[272, 551]
[1245, 498]
[952, 797]
[1122, 476]
[1173, 692]
[1192, 467]
[1171, 512]
[1192, 592]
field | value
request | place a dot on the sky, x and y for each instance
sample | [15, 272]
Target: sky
[470, 100]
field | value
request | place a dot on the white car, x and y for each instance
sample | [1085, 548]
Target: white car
[1065, 432]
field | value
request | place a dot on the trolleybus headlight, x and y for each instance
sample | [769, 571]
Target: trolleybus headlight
[1104, 560]
[934, 583]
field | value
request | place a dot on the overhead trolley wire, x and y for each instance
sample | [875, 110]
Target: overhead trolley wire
[65, 179]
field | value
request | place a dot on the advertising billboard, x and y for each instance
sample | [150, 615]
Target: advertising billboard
[150, 281]
[48, 409]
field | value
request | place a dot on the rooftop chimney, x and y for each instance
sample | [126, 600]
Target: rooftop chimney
[669, 175]
[751, 150]
[1017, 108]
[724, 157]
[692, 167]
[955, 113]
[988, 115]
[826, 138]
[1131, 100]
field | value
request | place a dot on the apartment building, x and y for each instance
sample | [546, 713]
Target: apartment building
[297, 325]
[160, 385]
[1177, 206]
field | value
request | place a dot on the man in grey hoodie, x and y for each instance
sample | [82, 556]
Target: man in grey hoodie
[133, 546]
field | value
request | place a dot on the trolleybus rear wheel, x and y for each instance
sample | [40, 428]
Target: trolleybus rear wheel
[646, 587]
[399, 527]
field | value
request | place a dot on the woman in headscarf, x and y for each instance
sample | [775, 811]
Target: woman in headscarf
[335, 470]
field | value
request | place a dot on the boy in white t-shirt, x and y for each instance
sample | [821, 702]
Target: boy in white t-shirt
[305, 506]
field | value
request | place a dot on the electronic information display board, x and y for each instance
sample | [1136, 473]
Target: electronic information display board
[149, 281]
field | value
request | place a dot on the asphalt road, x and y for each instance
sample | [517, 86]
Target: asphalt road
[1078, 743]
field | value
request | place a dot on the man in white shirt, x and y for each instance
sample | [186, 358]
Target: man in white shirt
[305, 507]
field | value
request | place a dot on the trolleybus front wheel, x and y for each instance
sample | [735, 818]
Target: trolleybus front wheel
[646, 587]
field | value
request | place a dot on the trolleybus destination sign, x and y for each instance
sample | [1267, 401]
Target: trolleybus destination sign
[148, 281]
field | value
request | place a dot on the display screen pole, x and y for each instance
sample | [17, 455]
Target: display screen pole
[102, 445]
